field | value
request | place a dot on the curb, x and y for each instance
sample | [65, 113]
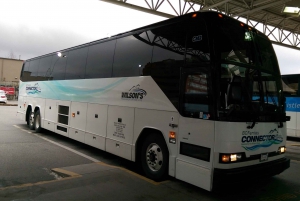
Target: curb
[8, 104]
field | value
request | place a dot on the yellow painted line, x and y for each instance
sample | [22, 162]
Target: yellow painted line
[297, 145]
[94, 160]
[134, 174]
[40, 182]
[105, 164]
[295, 161]
[66, 172]
[72, 175]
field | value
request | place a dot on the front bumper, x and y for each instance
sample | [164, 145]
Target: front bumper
[225, 177]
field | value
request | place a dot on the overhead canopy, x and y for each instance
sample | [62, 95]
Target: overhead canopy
[265, 15]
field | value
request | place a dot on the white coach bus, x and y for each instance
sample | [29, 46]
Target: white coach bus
[197, 97]
[292, 94]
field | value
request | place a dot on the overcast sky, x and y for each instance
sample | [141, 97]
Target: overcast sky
[30, 28]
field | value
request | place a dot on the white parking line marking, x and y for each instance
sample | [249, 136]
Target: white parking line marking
[65, 147]
[69, 149]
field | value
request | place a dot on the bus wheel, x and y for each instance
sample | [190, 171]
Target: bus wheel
[37, 121]
[31, 121]
[155, 157]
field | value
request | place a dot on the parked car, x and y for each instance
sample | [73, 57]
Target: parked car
[3, 98]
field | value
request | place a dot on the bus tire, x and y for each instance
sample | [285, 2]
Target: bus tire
[37, 121]
[155, 157]
[31, 120]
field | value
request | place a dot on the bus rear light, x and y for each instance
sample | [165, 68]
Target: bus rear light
[172, 137]
[73, 114]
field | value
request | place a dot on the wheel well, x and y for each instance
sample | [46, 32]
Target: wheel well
[36, 109]
[29, 109]
[145, 132]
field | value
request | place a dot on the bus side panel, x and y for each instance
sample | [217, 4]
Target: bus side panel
[78, 115]
[298, 125]
[77, 121]
[96, 125]
[292, 124]
[120, 131]
[21, 112]
[50, 117]
[157, 120]
[194, 163]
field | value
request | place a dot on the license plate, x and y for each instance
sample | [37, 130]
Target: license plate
[264, 157]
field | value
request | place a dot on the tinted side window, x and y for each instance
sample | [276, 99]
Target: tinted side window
[290, 84]
[169, 43]
[100, 60]
[168, 57]
[33, 69]
[25, 73]
[45, 68]
[58, 67]
[131, 55]
[76, 62]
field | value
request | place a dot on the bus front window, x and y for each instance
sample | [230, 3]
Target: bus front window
[247, 93]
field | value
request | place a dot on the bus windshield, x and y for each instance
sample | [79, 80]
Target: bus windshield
[250, 86]
[247, 93]
[239, 43]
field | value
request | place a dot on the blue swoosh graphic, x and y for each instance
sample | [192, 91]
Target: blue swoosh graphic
[63, 90]
[264, 145]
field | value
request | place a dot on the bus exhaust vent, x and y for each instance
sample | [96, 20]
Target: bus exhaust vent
[62, 129]
[63, 114]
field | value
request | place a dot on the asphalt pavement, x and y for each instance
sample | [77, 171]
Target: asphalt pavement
[10, 103]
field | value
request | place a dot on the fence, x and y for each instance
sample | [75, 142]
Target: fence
[11, 89]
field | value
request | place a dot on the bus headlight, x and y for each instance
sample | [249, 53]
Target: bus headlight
[282, 150]
[226, 158]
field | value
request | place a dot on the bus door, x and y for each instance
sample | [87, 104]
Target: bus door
[196, 131]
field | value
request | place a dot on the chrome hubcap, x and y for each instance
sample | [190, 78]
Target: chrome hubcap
[37, 122]
[31, 119]
[154, 157]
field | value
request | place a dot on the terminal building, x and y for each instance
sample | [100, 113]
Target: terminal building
[10, 70]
